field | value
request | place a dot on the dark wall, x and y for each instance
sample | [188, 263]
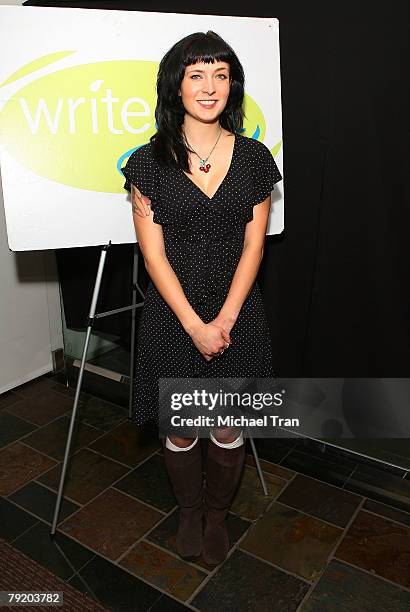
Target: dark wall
[336, 282]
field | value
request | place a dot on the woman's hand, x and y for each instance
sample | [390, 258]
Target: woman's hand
[140, 203]
[210, 339]
[224, 322]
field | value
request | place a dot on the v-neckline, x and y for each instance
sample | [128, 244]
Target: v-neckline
[224, 178]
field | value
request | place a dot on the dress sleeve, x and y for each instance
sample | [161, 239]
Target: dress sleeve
[140, 170]
[265, 173]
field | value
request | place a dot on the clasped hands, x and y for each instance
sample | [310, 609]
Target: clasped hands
[211, 339]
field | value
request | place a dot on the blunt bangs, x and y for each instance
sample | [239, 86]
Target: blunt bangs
[208, 50]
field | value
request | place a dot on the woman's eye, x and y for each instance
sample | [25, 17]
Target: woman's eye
[219, 75]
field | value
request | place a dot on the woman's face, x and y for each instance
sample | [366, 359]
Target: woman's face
[203, 83]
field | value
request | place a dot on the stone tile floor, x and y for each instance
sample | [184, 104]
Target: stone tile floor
[332, 533]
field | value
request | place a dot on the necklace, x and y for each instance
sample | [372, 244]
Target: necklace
[203, 165]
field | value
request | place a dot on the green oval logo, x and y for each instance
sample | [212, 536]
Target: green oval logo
[77, 126]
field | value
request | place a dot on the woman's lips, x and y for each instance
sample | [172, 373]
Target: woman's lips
[209, 105]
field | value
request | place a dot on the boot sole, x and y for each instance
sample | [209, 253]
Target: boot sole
[214, 563]
[190, 557]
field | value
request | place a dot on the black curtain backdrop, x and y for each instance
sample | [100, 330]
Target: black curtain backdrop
[336, 282]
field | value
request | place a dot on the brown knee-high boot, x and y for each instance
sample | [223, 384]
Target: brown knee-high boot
[224, 469]
[185, 472]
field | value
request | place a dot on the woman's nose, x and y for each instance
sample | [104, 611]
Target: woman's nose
[208, 86]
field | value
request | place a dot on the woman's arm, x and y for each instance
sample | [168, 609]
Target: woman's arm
[248, 266]
[209, 338]
[140, 202]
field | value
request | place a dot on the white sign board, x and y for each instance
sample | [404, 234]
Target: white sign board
[77, 96]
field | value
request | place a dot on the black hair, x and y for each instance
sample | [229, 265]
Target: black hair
[169, 147]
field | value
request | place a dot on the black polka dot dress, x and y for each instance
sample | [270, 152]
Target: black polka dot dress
[203, 240]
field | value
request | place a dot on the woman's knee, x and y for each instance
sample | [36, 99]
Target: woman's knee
[225, 435]
[181, 442]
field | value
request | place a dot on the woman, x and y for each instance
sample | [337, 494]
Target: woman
[194, 187]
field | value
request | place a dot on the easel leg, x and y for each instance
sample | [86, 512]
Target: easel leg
[78, 388]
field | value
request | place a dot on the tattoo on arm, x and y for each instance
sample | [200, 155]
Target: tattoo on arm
[134, 208]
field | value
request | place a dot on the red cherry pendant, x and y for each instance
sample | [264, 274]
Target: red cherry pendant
[205, 168]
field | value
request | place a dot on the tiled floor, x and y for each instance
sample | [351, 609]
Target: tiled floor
[332, 534]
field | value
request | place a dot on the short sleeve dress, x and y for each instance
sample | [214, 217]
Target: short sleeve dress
[203, 240]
